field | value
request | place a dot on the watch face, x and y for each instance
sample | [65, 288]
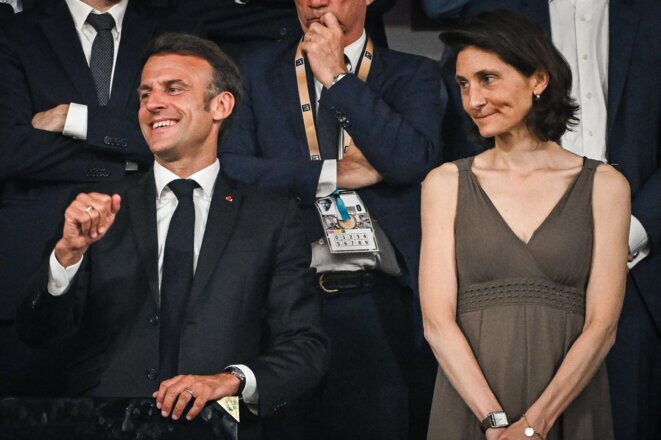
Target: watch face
[500, 419]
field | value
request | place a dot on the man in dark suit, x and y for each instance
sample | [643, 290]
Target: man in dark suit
[391, 114]
[59, 128]
[192, 275]
[633, 146]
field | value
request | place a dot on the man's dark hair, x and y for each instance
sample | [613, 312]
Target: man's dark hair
[226, 75]
[521, 43]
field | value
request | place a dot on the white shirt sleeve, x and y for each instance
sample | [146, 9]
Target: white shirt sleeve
[327, 178]
[250, 394]
[59, 278]
[75, 125]
[639, 242]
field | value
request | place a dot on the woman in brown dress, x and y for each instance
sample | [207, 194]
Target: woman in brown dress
[524, 251]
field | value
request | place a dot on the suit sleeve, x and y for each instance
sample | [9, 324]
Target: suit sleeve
[241, 158]
[297, 353]
[28, 153]
[645, 206]
[43, 319]
[399, 137]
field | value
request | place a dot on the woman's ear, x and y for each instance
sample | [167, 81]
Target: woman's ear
[540, 81]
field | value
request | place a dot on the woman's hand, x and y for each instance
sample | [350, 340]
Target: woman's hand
[516, 431]
[493, 433]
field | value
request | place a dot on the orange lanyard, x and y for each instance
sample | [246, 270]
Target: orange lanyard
[304, 96]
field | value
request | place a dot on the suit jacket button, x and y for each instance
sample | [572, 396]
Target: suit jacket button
[152, 374]
[154, 320]
[283, 31]
[106, 140]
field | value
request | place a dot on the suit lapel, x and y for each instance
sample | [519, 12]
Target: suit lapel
[141, 206]
[135, 35]
[60, 31]
[622, 15]
[222, 218]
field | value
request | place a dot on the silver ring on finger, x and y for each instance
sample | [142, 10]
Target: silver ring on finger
[188, 390]
[89, 208]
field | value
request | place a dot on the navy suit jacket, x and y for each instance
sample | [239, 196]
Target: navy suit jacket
[393, 119]
[634, 112]
[42, 65]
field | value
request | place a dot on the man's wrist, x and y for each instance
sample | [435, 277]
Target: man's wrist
[240, 379]
[329, 79]
[66, 255]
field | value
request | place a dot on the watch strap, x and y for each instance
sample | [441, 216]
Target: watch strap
[236, 371]
[496, 419]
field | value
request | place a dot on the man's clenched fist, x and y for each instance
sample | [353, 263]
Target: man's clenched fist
[86, 220]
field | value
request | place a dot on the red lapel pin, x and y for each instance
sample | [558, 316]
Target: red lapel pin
[228, 198]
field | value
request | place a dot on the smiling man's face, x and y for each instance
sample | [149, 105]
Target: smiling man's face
[174, 117]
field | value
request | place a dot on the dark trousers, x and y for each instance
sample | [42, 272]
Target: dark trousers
[376, 385]
[634, 371]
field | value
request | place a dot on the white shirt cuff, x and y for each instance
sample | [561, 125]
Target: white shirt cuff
[250, 394]
[75, 125]
[59, 278]
[327, 178]
[639, 242]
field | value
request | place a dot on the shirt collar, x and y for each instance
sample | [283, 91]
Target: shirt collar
[355, 50]
[80, 11]
[206, 178]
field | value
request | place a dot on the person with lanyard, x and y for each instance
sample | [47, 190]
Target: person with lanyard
[350, 129]
[615, 60]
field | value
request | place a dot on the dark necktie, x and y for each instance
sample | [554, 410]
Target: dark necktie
[102, 54]
[177, 275]
[328, 131]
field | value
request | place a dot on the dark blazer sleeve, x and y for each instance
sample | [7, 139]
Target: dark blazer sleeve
[240, 152]
[297, 352]
[47, 156]
[399, 134]
[43, 319]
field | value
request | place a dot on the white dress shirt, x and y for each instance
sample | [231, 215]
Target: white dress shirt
[76, 123]
[59, 278]
[580, 31]
[328, 176]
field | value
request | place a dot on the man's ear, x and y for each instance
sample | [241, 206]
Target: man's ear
[221, 105]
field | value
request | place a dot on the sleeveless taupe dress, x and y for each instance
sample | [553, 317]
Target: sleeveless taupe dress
[521, 306]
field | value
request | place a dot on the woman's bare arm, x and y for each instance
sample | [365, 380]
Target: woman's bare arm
[438, 294]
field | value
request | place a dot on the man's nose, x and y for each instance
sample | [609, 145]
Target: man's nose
[154, 101]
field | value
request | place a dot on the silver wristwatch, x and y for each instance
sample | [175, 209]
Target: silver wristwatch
[497, 419]
[337, 77]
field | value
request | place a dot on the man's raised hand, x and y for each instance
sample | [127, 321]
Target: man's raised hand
[323, 45]
[86, 220]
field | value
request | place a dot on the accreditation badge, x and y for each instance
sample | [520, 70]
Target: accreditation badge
[347, 223]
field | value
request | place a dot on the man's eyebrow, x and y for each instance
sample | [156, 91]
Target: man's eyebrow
[143, 88]
[166, 84]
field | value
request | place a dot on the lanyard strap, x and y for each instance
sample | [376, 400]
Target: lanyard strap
[304, 95]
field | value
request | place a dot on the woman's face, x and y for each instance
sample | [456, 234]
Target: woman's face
[494, 94]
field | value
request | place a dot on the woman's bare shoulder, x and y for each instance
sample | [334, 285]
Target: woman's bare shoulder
[608, 180]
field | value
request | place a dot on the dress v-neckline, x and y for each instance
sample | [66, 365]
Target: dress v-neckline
[555, 207]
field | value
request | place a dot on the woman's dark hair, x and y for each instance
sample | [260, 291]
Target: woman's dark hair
[226, 75]
[521, 43]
